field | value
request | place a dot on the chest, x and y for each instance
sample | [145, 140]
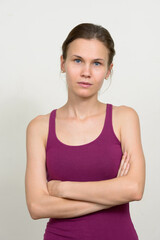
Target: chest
[74, 132]
[83, 151]
[94, 162]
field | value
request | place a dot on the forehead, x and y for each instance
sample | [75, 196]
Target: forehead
[92, 48]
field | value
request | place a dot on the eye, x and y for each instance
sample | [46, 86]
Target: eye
[97, 63]
[77, 60]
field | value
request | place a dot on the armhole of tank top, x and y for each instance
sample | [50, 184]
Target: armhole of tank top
[49, 130]
[111, 122]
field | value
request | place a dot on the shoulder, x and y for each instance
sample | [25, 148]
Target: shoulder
[38, 122]
[39, 126]
[125, 119]
[125, 113]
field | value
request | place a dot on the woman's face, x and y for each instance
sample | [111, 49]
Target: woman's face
[86, 62]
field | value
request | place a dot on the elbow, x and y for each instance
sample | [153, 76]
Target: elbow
[138, 193]
[34, 211]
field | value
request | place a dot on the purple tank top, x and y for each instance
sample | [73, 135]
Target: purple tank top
[95, 161]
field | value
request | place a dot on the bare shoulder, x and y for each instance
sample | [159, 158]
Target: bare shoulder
[121, 115]
[39, 125]
[124, 112]
[39, 122]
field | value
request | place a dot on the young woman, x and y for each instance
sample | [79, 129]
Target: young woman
[85, 161]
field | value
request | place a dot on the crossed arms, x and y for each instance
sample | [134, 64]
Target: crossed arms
[80, 198]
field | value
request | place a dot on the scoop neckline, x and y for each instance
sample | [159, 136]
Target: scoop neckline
[86, 144]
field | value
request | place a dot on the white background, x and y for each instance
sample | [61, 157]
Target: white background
[31, 35]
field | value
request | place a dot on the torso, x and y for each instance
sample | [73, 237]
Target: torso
[79, 132]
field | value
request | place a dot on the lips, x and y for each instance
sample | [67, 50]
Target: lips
[87, 83]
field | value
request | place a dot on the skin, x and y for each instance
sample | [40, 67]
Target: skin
[85, 68]
[80, 114]
[83, 110]
[81, 66]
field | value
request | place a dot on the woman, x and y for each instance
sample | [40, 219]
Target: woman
[85, 161]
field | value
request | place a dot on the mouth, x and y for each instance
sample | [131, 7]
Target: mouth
[86, 83]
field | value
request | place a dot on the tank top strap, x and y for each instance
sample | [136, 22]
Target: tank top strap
[109, 114]
[109, 133]
[51, 129]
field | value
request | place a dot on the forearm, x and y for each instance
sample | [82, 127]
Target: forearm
[55, 207]
[110, 192]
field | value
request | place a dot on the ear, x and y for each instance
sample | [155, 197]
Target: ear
[109, 71]
[62, 63]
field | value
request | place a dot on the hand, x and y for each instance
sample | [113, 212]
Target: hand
[54, 188]
[124, 166]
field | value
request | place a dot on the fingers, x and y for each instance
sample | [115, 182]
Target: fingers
[127, 168]
[124, 166]
[122, 162]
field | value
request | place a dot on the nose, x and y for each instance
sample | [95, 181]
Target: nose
[86, 71]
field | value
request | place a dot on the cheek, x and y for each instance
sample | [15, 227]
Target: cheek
[99, 75]
[72, 72]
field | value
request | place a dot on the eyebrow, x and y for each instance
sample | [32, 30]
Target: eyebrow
[96, 59]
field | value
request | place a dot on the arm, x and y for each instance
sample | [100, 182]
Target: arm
[53, 207]
[118, 190]
[40, 203]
